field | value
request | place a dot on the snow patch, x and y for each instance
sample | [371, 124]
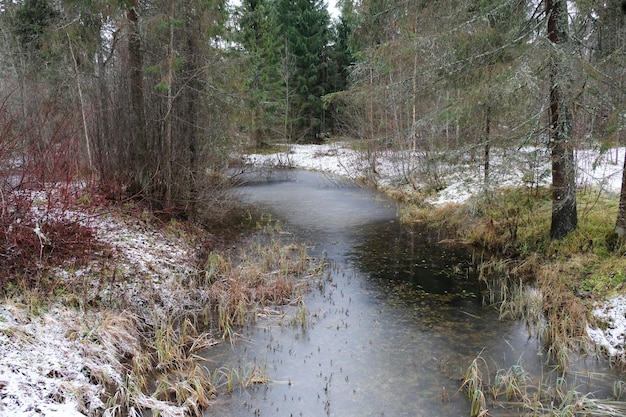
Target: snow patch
[612, 314]
[460, 180]
[47, 358]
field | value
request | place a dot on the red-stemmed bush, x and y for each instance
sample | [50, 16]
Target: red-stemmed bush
[44, 208]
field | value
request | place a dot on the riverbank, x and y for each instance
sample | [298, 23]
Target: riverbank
[135, 304]
[61, 347]
[449, 189]
[116, 327]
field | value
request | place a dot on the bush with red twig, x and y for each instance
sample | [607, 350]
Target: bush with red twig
[38, 234]
[39, 225]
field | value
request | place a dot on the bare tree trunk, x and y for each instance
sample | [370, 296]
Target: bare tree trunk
[564, 213]
[82, 109]
[487, 144]
[138, 148]
[194, 88]
[169, 154]
[286, 73]
[371, 109]
[620, 224]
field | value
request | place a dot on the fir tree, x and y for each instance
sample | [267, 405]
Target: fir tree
[305, 28]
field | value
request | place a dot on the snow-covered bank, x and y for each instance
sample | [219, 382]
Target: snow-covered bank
[460, 180]
[464, 179]
[613, 335]
[53, 361]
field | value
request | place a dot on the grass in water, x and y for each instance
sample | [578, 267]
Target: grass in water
[514, 390]
[551, 284]
[474, 384]
[242, 377]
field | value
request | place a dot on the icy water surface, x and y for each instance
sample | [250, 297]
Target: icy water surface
[390, 329]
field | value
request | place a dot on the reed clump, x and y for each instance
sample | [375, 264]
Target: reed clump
[262, 275]
[242, 377]
[517, 393]
[552, 284]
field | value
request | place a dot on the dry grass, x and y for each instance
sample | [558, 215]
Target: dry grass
[140, 332]
[160, 364]
[264, 274]
[550, 284]
[514, 392]
[475, 384]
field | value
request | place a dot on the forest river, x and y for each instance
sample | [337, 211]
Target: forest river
[391, 327]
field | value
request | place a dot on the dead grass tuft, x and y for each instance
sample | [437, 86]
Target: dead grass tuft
[267, 274]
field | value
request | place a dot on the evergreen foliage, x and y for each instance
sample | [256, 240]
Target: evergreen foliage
[259, 36]
[304, 24]
[150, 87]
[32, 19]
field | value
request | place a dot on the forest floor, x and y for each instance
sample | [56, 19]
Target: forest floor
[54, 357]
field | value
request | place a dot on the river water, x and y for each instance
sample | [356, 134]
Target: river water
[391, 327]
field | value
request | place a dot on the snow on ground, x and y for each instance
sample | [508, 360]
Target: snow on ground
[613, 337]
[46, 357]
[461, 180]
[526, 166]
[41, 370]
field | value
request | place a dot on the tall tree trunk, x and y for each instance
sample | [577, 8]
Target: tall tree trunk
[371, 103]
[286, 73]
[564, 213]
[620, 225]
[138, 146]
[486, 159]
[194, 87]
[169, 150]
[82, 109]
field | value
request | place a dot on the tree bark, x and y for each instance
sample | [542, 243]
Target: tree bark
[620, 224]
[138, 146]
[82, 109]
[194, 87]
[486, 158]
[564, 213]
[169, 151]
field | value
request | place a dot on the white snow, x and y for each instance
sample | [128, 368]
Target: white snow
[613, 314]
[462, 180]
[46, 356]
[41, 370]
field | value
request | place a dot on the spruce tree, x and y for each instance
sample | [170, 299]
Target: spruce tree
[264, 87]
[341, 57]
[305, 28]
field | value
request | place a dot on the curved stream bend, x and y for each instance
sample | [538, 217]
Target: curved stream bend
[391, 331]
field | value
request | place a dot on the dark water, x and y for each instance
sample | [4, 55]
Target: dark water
[391, 328]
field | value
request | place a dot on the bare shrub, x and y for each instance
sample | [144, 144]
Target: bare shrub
[38, 188]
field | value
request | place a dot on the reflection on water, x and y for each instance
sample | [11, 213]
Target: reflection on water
[391, 329]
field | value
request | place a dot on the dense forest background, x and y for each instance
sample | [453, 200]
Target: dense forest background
[151, 98]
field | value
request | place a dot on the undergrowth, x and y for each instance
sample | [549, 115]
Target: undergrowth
[145, 332]
[553, 284]
[514, 390]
